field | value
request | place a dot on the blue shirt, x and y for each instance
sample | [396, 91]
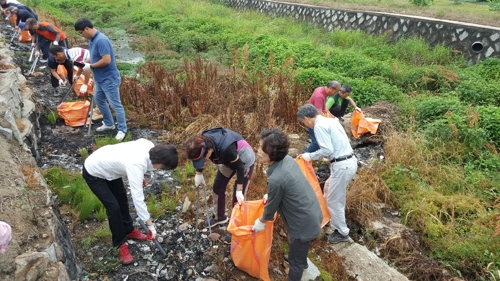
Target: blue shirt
[99, 46]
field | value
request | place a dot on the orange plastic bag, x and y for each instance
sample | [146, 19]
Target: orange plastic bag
[79, 83]
[308, 171]
[74, 113]
[13, 19]
[25, 37]
[250, 251]
[361, 125]
[61, 71]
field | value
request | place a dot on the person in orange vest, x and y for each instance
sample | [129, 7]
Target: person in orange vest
[46, 33]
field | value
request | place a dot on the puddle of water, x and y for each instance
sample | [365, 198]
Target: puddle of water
[121, 44]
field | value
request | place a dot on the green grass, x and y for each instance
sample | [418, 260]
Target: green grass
[73, 190]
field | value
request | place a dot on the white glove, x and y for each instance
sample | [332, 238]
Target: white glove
[33, 45]
[358, 109]
[199, 180]
[83, 89]
[55, 43]
[87, 67]
[258, 226]
[306, 156]
[62, 82]
[152, 230]
[37, 54]
[264, 198]
[239, 196]
[75, 77]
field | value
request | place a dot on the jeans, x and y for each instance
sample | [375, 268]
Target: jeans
[341, 173]
[113, 196]
[314, 144]
[108, 91]
[297, 258]
[224, 174]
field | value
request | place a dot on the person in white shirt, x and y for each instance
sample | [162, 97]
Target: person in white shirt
[333, 145]
[103, 171]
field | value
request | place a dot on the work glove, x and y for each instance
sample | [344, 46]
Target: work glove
[143, 180]
[199, 180]
[75, 77]
[55, 43]
[264, 198]
[358, 109]
[87, 67]
[37, 54]
[62, 83]
[83, 90]
[239, 196]
[33, 45]
[306, 156]
[258, 226]
[152, 231]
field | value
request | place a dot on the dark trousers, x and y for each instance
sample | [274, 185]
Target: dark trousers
[113, 196]
[69, 68]
[220, 184]
[339, 111]
[297, 258]
[314, 144]
[45, 45]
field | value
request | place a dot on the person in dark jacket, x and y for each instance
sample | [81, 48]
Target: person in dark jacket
[22, 15]
[289, 193]
[233, 154]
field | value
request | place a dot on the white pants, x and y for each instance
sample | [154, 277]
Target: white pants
[341, 173]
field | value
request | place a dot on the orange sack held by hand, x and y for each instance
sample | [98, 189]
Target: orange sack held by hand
[79, 83]
[250, 251]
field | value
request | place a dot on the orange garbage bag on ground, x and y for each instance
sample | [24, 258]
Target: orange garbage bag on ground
[25, 37]
[74, 113]
[250, 251]
[308, 171]
[61, 71]
[362, 125]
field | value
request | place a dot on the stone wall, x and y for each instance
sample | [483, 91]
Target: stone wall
[476, 42]
[41, 247]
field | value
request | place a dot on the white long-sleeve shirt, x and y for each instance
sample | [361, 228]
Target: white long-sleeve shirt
[331, 138]
[129, 159]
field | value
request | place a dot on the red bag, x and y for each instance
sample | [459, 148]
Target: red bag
[250, 251]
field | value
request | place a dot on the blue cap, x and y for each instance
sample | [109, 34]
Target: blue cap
[200, 161]
[21, 26]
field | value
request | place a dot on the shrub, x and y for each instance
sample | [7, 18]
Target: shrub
[489, 120]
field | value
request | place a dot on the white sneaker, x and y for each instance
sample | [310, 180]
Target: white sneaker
[104, 127]
[120, 136]
[43, 60]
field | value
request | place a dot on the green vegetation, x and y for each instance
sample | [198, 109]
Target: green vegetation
[443, 164]
[52, 117]
[84, 152]
[73, 190]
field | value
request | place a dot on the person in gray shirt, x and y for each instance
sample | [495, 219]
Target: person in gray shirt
[288, 192]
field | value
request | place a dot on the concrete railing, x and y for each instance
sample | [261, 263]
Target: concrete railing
[475, 42]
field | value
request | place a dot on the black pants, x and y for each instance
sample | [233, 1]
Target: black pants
[113, 196]
[69, 68]
[339, 111]
[297, 258]
[45, 45]
[220, 185]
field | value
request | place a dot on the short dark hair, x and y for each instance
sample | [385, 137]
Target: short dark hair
[54, 49]
[81, 23]
[165, 155]
[275, 143]
[195, 144]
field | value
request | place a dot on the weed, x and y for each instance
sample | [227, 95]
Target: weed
[325, 275]
[52, 117]
[84, 152]
[154, 208]
[102, 141]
